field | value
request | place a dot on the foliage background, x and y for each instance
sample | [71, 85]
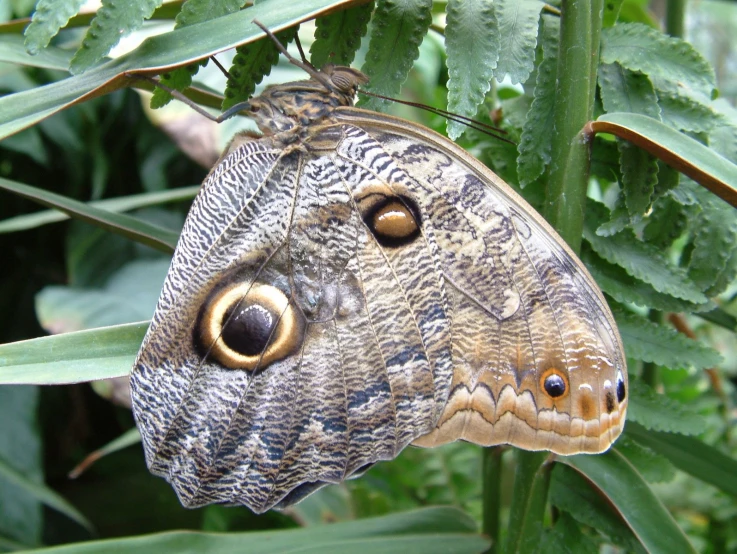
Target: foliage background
[68, 276]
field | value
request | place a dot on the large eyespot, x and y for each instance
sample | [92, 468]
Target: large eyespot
[554, 382]
[621, 392]
[248, 326]
[393, 220]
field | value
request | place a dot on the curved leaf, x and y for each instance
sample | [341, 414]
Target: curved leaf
[518, 27]
[49, 17]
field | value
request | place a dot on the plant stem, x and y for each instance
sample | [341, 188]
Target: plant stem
[491, 472]
[675, 16]
[574, 102]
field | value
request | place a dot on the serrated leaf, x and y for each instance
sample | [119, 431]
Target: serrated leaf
[177, 79]
[691, 455]
[640, 260]
[723, 136]
[685, 113]
[251, 64]
[338, 35]
[668, 179]
[652, 466]
[624, 288]
[398, 27]
[712, 265]
[630, 495]
[639, 177]
[50, 16]
[518, 28]
[644, 49]
[569, 491]
[650, 342]
[623, 90]
[534, 146]
[115, 19]
[661, 413]
[472, 43]
[197, 11]
[666, 222]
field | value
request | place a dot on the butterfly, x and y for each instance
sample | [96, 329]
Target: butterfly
[350, 283]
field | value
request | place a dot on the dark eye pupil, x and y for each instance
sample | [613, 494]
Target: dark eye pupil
[620, 389]
[554, 385]
[248, 329]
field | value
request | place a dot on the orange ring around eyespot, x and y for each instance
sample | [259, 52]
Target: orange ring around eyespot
[554, 371]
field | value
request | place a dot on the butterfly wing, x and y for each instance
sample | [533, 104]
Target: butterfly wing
[537, 358]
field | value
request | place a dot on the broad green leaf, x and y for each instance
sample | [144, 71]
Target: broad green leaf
[338, 35]
[640, 260]
[534, 146]
[251, 63]
[650, 342]
[660, 412]
[639, 177]
[630, 495]
[397, 29]
[49, 17]
[13, 51]
[21, 515]
[667, 221]
[427, 531]
[43, 494]
[691, 455]
[531, 483]
[571, 492]
[714, 229]
[624, 288]
[131, 227]
[654, 467]
[518, 28]
[685, 113]
[120, 204]
[72, 357]
[641, 48]
[623, 90]
[113, 21]
[161, 52]
[566, 536]
[687, 155]
[472, 42]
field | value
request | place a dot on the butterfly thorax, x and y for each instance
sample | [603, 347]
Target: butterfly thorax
[301, 103]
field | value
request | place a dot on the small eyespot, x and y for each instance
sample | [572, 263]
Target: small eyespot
[393, 220]
[248, 326]
[621, 392]
[609, 398]
[554, 383]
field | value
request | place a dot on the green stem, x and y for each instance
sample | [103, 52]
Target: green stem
[675, 15]
[574, 105]
[491, 472]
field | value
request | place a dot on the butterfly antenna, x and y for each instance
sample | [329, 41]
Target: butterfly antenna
[302, 52]
[306, 66]
[220, 67]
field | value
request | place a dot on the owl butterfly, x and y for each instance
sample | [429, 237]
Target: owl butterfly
[350, 283]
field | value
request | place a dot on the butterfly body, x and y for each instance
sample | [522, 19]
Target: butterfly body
[349, 284]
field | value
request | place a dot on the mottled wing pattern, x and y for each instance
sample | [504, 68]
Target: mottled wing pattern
[372, 368]
[522, 308]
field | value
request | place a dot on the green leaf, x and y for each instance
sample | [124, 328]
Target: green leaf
[197, 11]
[660, 412]
[650, 342]
[43, 494]
[49, 17]
[427, 531]
[623, 90]
[654, 467]
[639, 177]
[611, 12]
[72, 357]
[686, 113]
[131, 227]
[531, 484]
[641, 48]
[714, 229]
[119, 204]
[21, 515]
[566, 536]
[640, 260]
[177, 79]
[472, 42]
[691, 455]
[251, 64]
[13, 51]
[113, 21]
[397, 29]
[570, 491]
[666, 222]
[624, 288]
[534, 146]
[338, 35]
[518, 28]
[624, 487]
